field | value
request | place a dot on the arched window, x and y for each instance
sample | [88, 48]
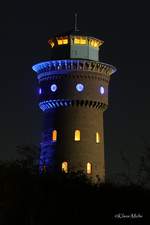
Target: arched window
[97, 137]
[54, 135]
[102, 90]
[89, 168]
[77, 135]
[40, 91]
[65, 167]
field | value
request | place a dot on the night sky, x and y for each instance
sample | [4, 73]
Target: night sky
[24, 31]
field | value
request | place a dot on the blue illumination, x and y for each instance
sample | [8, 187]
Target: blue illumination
[80, 87]
[46, 155]
[53, 87]
[66, 104]
[102, 90]
[39, 66]
[40, 91]
[56, 63]
[51, 104]
[57, 104]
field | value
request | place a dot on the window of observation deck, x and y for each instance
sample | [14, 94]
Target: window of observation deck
[80, 40]
[51, 43]
[62, 40]
[94, 43]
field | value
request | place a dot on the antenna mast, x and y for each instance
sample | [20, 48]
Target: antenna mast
[75, 22]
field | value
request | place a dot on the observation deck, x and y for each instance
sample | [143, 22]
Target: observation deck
[74, 45]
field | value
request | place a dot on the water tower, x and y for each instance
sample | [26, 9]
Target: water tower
[73, 95]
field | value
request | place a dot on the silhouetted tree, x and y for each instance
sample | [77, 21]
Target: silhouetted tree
[27, 198]
[28, 157]
[143, 175]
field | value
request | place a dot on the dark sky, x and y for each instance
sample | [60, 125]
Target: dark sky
[124, 26]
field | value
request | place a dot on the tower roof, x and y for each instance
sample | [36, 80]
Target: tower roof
[73, 32]
[75, 44]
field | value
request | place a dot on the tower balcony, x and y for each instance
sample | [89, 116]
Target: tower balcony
[64, 83]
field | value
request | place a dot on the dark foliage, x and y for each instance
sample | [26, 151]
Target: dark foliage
[27, 198]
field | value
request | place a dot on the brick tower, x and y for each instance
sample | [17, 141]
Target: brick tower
[73, 95]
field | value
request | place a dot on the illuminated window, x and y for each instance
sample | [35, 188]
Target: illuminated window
[65, 41]
[83, 41]
[101, 90]
[77, 41]
[79, 87]
[51, 43]
[53, 87]
[65, 167]
[40, 91]
[54, 135]
[97, 137]
[94, 43]
[62, 40]
[77, 135]
[89, 168]
[80, 41]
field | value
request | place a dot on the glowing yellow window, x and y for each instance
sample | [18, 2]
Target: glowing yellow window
[54, 135]
[92, 43]
[60, 41]
[51, 43]
[80, 41]
[65, 167]
[77, 135]
[97, 137]
[77, 41]
[89, 168]
[83, 41]
[95, 44]
[65, 41]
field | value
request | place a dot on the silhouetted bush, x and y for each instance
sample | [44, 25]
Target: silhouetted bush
[33, 199]
[27, 198]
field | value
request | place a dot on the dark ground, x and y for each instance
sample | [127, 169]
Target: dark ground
[29, 199]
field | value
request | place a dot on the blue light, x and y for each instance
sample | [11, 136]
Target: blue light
[40, 91]
[53, 87]
[48, 64]
[51, 104]
[66, 104]
[102, 90]
[79, 87]
[47, 155]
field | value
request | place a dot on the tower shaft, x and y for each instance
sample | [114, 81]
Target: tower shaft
[73, 94]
